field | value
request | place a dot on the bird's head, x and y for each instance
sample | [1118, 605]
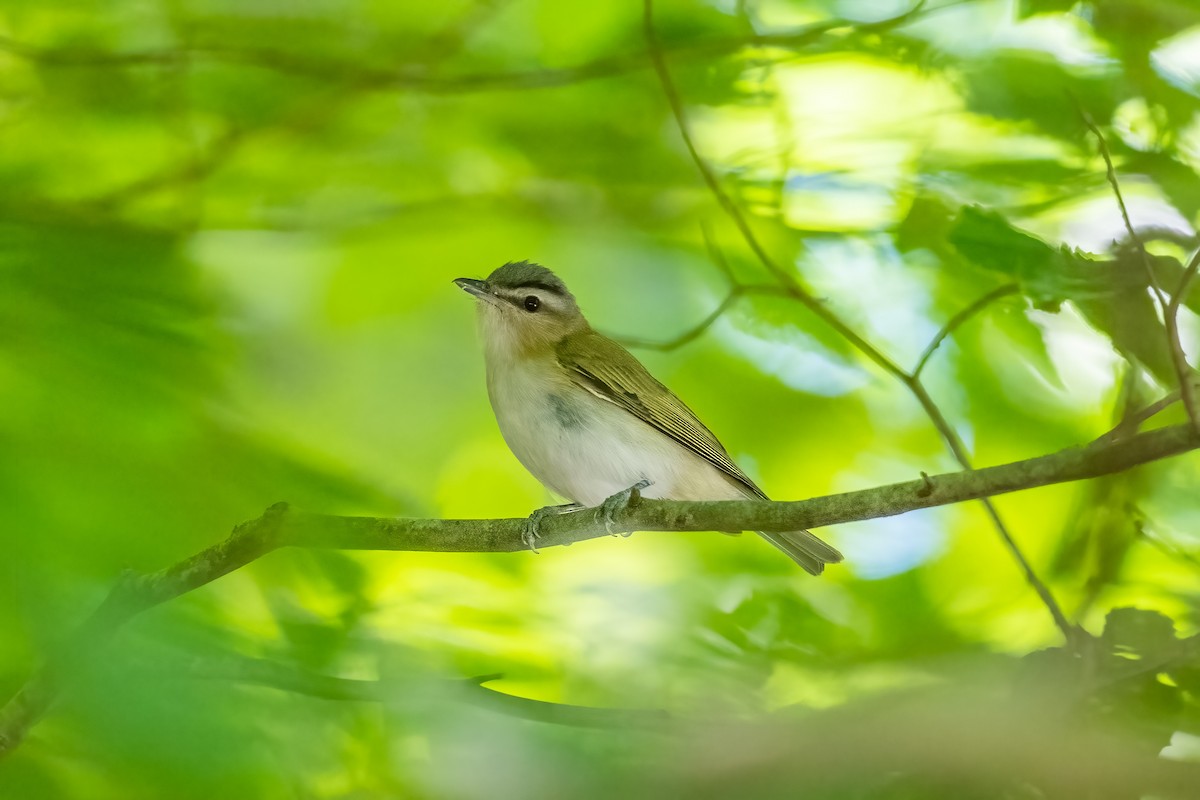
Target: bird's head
[524, 309]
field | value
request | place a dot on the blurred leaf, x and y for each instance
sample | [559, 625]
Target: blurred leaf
[1044, 6]
[1039, 90]
[1140, 634]
[1139, 25]
[1113, 295]
[1048, 275]
[228, 233]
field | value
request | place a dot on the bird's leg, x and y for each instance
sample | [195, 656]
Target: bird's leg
[619, 502]
[531, 531]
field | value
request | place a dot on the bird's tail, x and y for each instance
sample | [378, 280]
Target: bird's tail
[805, 549]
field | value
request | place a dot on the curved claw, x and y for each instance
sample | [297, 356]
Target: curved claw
[531, 531]
[619, 502]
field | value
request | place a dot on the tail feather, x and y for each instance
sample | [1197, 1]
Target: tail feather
[807, 550]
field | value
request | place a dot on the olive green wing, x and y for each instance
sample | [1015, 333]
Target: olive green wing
[610, 372]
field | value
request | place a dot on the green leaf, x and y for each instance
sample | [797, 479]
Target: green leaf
[1047, 275]
[1111, 295]
[1034, 88]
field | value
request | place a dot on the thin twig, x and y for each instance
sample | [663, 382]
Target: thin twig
[958, 320]
[969, 736]
[689, 335]
[288, 678]
[815, 306]
[1070, 632]
[731, 208]
[407, 77]
[1187, 383]
[716, 254]
[1169, 308]
[193, 169]
[305, 117]
[736, 293]
[1169, 549]
[281, 526]
[1135, 419]
[1124, 410]
[737, 290]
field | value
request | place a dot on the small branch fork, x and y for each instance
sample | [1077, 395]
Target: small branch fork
[1169, 307]
[281, 526]
[793, 289]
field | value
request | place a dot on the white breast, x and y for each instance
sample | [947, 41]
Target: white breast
[585, 448]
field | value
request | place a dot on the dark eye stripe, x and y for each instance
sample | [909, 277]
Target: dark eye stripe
[545, 287]
[517, 296]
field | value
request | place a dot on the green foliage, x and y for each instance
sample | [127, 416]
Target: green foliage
[227, 235]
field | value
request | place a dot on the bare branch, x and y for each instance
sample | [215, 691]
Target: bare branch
[191, 170]
[132, 595]
[731, 208]
[716, 254]
[281, 526]
[958, 320]
[1170, 309]
[1169, 549]
[1187, 376]
[805, 298]
[413, 75]
[983, 735]
[691, 334]
[959, 450]
[737, 290]
[696, 331]
[1135, 419]
[288, 678]
[307, 116]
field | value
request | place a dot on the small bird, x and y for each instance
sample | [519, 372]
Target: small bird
[588, 420]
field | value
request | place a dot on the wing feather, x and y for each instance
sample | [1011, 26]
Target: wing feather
[607, 370]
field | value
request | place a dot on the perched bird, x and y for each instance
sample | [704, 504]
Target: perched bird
[586, 418]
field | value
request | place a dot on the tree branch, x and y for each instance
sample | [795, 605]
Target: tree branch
[287, 678]
[735, 293]
[955, 322]
[797, 292]
[1169, 308]
[411, 75]
[1187, 376]
[737, 290]
[1135, 419]
[964, 734]
[282, 526]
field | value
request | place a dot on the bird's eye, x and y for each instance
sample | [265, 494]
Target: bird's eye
[532, 303]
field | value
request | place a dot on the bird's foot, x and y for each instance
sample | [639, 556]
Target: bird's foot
[531, 531]
[619, 502]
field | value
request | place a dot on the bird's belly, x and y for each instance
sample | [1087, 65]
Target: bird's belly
[586, 449]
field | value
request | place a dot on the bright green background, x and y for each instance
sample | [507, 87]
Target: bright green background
[227, 235]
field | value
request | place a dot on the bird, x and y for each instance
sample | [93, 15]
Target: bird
[589, 421]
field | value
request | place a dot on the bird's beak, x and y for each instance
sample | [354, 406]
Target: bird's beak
[475, 287]
[480, 289]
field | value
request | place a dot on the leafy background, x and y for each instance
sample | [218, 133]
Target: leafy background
[227, 235]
